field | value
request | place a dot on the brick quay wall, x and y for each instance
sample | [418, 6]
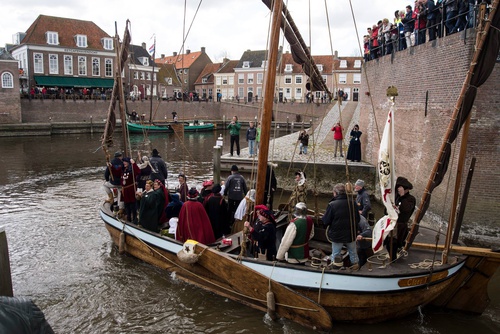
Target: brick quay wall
[429, 79]
[69, 110]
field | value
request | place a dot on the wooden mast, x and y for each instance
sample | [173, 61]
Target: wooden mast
[269, 89]
[121, 105]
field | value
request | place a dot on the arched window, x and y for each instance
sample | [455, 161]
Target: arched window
[7, 80]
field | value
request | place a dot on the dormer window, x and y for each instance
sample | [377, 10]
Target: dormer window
[288, 68]
[204, 80]
[343, 63]
[52, 37]
[144, 61]
[357, 63]
[81, 41]
[264, 64]
[320, 67]
[246, 64]
[107, 43]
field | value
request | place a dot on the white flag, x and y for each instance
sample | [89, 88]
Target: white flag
[387, 176]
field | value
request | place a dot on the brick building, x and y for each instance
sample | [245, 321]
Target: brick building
[189, 66]
[10, 104]
[61, 52]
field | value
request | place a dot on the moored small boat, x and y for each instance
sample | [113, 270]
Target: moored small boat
[166, 127]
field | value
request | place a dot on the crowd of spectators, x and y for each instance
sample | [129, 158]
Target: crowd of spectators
[425, 21]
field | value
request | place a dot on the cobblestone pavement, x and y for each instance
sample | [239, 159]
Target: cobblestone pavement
[286, 148]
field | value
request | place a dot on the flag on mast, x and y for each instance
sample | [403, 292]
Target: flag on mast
[387, 182]
[151, 49]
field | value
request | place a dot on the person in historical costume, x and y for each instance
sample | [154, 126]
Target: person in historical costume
[113, 176]
[164, 196]
[294, 247]
[244, 211]
[299, 193]
[174, 206]
[206, 191]
[264, 233]
[216, 207]
[364, 247]
[130, 172]
[146, 170]
[182, 189]
[363, 202]
[149, 203]
[194, 222]
[405, 205]
[354, 150]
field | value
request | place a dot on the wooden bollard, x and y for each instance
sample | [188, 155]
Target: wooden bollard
[5, 278]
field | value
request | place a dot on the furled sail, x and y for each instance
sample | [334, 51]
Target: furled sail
[300, 52]
[107, 137]
[386, 174]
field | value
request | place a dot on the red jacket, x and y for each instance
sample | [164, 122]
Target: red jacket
[337, 132]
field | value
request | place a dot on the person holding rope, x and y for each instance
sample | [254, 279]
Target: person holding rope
[342, 219]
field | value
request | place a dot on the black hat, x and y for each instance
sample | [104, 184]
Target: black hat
[126, 159]
[234, 168]
[155, 152]
[216, 188]
[403, 182]
[118, 154]
[193, 193]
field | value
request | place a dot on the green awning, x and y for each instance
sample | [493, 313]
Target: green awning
[46, 80]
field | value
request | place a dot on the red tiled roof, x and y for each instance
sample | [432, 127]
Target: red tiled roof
[66, 29]
[209, 69]
[229, 66]
[180, 61]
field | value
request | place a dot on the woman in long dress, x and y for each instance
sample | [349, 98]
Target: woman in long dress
[354, 151]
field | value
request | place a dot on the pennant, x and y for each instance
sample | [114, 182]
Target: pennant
[387, 176]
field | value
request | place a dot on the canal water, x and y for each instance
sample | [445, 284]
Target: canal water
[63, 259]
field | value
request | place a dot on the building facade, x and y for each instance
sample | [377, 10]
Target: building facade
[64, 53]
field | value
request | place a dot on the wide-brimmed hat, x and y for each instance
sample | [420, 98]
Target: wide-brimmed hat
[403, 182]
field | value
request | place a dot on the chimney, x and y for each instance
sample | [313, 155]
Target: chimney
[143, 45]
[162, 55]
[188, 51]
[202, 49]
[336, 55]
[175, 54]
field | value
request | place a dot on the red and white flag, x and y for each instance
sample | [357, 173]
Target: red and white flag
[387, 176]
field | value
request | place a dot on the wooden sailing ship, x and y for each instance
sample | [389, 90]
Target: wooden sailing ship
[314, 295]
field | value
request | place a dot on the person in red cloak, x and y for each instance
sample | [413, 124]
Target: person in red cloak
[193, 221]
[128, 178]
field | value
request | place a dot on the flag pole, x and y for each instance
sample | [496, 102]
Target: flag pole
[152, 84]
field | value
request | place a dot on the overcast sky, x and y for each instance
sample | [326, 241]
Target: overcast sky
[226, 28]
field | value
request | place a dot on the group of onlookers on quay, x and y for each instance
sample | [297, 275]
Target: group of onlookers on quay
[425, 20]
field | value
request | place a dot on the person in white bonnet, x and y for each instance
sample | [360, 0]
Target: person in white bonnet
[363, 199]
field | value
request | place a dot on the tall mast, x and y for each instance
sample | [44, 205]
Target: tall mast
[267, 114]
